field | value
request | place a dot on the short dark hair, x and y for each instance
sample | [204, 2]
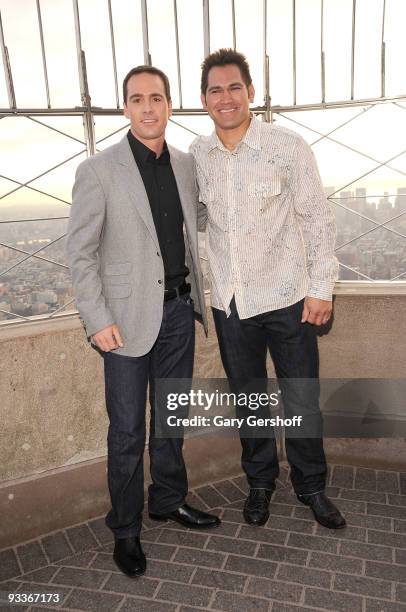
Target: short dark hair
[150, 70]
[225, 57]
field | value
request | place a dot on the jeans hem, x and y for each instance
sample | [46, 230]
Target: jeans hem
[305, 494]
[267, 486]
[170, 509]
[130, 534]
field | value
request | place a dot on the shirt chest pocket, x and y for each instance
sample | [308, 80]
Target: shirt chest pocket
[263, 193]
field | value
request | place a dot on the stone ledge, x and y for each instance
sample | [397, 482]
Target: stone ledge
[72, 494]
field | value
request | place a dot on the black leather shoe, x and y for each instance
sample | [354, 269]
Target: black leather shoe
[256, 507]
[189, 517]
[129, 556]
[325, 512]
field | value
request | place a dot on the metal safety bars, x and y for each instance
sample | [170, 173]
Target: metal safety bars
[266, 17]
[268, 111]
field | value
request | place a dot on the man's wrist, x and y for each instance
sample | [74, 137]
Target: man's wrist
[317, 297]
[321, 290]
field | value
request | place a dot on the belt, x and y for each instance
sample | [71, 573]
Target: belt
[169, 294]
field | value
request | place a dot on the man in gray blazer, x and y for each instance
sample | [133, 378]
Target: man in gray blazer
[132, 249]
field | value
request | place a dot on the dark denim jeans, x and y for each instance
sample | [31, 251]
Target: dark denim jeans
[126, 381]
[293, 347]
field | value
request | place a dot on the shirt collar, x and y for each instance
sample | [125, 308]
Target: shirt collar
[145, 155]
[252, 137]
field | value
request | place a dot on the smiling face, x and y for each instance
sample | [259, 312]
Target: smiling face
[227, 97]
[147, 108]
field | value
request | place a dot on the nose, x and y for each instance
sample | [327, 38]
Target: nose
[147, 106]
[226, 96]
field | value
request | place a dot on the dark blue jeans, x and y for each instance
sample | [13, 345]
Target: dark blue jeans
[126, 381]
[293, 347]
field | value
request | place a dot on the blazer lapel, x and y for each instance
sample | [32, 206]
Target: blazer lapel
[135, 186]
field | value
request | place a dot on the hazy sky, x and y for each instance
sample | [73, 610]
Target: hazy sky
[28, 149]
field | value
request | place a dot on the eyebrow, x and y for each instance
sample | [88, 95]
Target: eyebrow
[141, 95]
[221, 87]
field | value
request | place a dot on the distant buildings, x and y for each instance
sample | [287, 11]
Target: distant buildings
[366, 248]
[34, 286]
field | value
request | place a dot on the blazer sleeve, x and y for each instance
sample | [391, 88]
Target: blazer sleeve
[201, 216]
[201, 206]
[84, 232]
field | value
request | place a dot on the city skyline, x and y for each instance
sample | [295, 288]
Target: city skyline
[38, 287]
[319, 50]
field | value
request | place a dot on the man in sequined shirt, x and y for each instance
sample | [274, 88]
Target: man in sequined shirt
[270, 237]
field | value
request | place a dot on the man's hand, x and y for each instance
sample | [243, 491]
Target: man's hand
[108, 339]
[316, 311]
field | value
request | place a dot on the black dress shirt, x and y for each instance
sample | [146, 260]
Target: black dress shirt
[162, 191]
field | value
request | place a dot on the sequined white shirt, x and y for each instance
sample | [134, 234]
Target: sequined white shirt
[270, 230]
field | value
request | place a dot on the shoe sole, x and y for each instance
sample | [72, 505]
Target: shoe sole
[329, 526]
[129, 574]
[162, 519]
[320, 522]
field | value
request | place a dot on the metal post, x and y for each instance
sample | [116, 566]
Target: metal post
[322, 55]
[354, 10]
[175, 14]
[267, 100]
[78, 39]
[113, 52]
[7, 70]
[206, 27]
[44, 60]
[383, 52]
[88, 116]
[268, 106]
[145, 37]
[234, 29]
[88, 123]
[294, 49]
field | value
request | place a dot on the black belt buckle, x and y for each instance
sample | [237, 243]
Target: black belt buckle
[169, 294]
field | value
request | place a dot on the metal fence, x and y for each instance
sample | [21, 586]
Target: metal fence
[372, 230]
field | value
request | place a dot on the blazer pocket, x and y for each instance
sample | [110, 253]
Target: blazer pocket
[118, 268]
[117, 291]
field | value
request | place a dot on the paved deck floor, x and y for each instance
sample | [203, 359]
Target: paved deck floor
[291, 564]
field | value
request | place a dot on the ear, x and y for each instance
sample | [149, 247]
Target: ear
[251, 93]
[169, 108]
[203, 101]
[126, 114]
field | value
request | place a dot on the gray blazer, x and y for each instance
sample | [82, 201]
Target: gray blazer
[113, 250]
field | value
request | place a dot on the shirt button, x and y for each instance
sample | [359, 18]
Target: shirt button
[161, 187]
[160, 282]
[165, 214]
